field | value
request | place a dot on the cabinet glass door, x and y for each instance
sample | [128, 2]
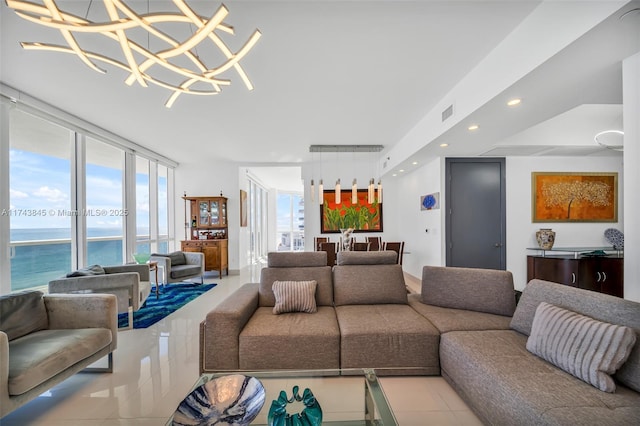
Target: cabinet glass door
[224, 213]
[205, 214]
[215, 213]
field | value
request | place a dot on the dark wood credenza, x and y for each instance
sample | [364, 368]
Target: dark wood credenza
[604, 274]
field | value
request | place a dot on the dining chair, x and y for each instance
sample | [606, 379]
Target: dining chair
[360, 246]
[331, 249]
[375, 243]
[398, 247]
[318, 240]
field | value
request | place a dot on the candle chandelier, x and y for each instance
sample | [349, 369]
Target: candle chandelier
[175, 58]
[373, 194]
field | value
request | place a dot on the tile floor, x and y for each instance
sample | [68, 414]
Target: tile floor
[154, 369]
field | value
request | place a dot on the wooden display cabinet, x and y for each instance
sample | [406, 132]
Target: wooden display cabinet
[208, 231]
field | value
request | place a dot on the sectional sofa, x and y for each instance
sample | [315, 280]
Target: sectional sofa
[464, 325]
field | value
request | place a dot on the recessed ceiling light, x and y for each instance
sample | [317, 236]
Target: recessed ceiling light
[401, 170]
[444, 145]
[394, 175]
[473, 127]
[514, 102]
[414, 163]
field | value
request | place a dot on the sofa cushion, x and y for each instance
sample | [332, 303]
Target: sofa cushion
[291, 341]
[301, 259]
[39, 356]
[368, 285]
[387, 336]
[507, 385]
[177, 257]
[598, 306]
[182, 271]
[367, 257]
[448, 319]
[90, 270]
[321, 274]
[22, 313]
[589, 349]
[473, 289]
[295, 296]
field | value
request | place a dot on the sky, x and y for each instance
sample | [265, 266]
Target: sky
[40, 194]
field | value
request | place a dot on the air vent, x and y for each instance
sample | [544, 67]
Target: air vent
[447, 112]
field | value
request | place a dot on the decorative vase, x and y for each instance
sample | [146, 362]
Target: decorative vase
[346, 238]
[545, 237]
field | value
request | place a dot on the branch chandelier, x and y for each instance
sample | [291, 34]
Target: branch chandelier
[372, 193]
[124, 18]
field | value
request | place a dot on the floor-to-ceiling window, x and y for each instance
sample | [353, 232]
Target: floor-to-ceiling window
[290, 219]
[258, 208]
[68, 198]
[105, 213]
[40, 157]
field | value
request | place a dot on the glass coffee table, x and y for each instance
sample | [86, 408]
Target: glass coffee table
[347, 397]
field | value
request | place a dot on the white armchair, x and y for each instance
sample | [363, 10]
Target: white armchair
[129, 283]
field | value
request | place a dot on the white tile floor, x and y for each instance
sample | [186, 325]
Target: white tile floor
[154, 369]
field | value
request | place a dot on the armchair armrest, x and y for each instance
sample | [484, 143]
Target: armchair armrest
[164, 262]
[4, 370]
[126, 286]
[220, 331]
[71, 311]
[195, 258]
[142, 270]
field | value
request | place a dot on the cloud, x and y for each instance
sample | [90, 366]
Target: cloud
[13, 193]
[51, 194]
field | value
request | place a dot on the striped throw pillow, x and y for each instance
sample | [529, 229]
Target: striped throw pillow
[589, 349]
[295, 296]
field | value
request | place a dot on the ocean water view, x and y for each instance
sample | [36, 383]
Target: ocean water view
[39, 255]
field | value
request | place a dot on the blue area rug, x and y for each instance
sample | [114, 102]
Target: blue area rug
[172, 297]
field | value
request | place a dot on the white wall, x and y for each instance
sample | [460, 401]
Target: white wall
[203, 179]
[405, 221]
[521, 230]
[421, 230]
[631, 112]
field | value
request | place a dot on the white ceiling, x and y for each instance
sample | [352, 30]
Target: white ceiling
[325, 72]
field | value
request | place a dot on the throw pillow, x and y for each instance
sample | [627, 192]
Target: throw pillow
[589, 349]
[177, 257]
[294, 296]
[91, 270]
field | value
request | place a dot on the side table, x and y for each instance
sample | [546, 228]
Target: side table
[153, 267]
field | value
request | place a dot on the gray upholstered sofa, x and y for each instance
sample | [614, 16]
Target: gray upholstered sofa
[359, 305]
[180, 265]
[45, 339]
[129, 283]
[474, 336]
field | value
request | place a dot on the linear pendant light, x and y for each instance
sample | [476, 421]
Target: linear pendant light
[123, 18]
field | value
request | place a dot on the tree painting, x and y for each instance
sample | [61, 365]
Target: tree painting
[362, 216]
[564, 197]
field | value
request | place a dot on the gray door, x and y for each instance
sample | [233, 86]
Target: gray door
[476, 215]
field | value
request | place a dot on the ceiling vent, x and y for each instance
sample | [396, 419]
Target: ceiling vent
[447, 112]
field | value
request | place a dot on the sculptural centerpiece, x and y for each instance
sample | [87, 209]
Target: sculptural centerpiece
[311, 415]
[346, 238]
[230, 400]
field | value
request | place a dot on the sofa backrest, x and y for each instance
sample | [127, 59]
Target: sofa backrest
[296, 266]
[368, 278]
[23, 313]
[599, 306]
[472, 289]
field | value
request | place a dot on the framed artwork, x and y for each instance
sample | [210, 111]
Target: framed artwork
[430, 201]
[362, 216]
[243, 208]
[574, 197]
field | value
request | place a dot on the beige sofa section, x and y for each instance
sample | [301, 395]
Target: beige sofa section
[45, 339]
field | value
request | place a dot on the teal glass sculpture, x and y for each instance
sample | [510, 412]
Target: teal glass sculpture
[310, 416]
